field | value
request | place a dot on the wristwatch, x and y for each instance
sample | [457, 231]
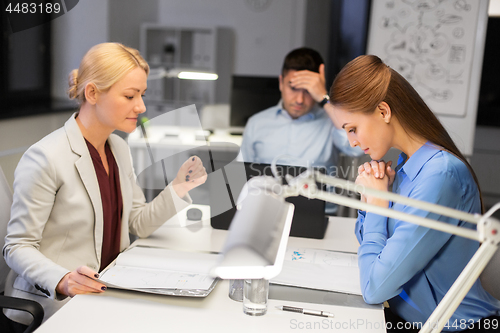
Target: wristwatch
[326, 99]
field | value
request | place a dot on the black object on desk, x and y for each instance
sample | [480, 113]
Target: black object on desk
[309, 218]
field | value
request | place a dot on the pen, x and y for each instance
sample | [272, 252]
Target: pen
[306, 311]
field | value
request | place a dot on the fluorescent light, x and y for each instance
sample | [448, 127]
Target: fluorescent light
[197, 76]
[159, 73]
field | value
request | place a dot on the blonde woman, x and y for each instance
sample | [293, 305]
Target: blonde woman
[75, 194]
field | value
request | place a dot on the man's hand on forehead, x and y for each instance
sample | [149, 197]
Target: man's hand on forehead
[313, 82]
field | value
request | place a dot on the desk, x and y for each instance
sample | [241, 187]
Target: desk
[128, 311]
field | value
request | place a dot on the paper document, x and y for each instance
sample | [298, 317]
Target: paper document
[320, 269]
[162, 271]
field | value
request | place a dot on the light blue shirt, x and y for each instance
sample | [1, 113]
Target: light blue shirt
[413, 266]
[310, 139]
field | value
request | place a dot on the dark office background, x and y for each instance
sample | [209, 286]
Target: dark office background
[25, 60]
[488, 113]
[24, 70]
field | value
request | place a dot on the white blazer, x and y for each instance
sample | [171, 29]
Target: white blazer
[56, 220]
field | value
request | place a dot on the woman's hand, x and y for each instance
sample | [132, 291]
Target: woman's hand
[190, 175]
[80, 281]
[376, 175]
[379, 169]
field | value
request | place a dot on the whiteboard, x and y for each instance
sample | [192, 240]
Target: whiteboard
[437, 45]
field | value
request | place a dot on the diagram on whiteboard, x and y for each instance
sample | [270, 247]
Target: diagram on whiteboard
[430, 43]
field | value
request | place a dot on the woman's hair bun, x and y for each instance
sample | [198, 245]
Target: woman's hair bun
[73, 84]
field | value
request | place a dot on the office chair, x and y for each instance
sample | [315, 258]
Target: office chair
[7, 302]
[489, 277]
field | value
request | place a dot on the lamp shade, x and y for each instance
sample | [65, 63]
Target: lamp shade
[256, 243]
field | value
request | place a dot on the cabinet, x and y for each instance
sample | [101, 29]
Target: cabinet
[175, 48]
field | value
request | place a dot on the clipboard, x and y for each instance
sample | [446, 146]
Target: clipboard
[162, 271]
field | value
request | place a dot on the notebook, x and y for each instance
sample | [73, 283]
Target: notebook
[309, 219]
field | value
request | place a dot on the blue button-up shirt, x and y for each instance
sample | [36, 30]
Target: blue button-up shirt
[413, 266]
[310, 139]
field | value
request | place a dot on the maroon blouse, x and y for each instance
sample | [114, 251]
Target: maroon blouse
[112, 204]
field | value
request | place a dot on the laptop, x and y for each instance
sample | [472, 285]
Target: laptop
[309, 219]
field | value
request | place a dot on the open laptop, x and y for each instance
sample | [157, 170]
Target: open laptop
[309, 219]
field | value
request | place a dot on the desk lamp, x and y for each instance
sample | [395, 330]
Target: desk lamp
[258, 235]
[257, 210]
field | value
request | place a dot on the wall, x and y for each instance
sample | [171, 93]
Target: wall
[72, 35]
[317, 26]
[262, 36]
[126, 17]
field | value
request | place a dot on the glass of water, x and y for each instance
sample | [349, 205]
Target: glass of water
[255, 295]
[236, 290]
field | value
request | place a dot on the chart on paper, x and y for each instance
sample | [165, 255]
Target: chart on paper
[329, 258]
[320, 269]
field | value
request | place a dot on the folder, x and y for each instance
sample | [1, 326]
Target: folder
[162, 271]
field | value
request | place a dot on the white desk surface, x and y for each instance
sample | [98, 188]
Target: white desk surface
[128, 311]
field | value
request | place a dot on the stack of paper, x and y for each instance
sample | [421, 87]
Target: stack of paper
[164, 271]
[320, 269]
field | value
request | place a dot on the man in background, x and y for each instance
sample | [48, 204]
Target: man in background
[299, 125]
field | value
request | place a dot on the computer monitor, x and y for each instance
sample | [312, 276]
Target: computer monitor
[309, 218]
[252, 94]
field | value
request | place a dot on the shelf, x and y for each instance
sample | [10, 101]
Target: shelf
[190, 48]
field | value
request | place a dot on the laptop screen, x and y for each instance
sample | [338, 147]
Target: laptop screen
[309, 217]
